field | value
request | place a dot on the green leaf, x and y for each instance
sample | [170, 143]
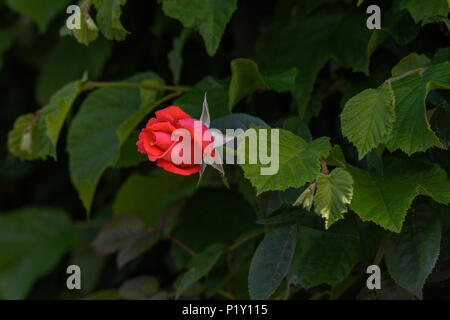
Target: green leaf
[441, 271]
[209, 17]
[35, 137]
[97, 132]
[246, 78]
[420, 10]
[68, 61]
[116, 232]
[217, 94]
[135, 246]
[128, 155]
[298, 161]
[322, 257]
[285, 217]
[411, 132]
[368, 118]
[271, 262]
[442, 55]
[148, 196]
[299, 127]
[175, 56]
[386, 201]
[88, 31]
[54, 115]
[199, 266]
[334, 193]
[337, 34]
[140, 288]
[32, 242]
[106, 294]
[42, 12]
[23, 139]
[237, 121]
[410, 62]
[108, 18]
[412, 254]
[336, 157]
[398, 24]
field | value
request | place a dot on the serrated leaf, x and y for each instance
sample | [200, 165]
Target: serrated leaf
[217, 91]
[322, 257]
[441, 271]
[410, 62]
[209, 17]
[412, 254]
[386, 201]
[298, 161]
[108, 18]
[368, 118]
[247, 78]
[36, 136]
[337, 34]
[271, 262]
[411, 132]
[32, 241]
[148, 196]
[420, 9]
[199, 266]
[97, 132]
[140, 288]
[42, 12]
[334, 193]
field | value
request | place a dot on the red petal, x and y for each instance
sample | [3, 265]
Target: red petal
[162, 126]
[184, 171]
[171, 113]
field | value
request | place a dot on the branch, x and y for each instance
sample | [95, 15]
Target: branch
[91, 85]
[171, 238]
[418, 70]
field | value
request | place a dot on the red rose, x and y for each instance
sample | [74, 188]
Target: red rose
[155, 140]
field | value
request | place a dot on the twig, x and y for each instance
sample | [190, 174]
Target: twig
[245, 239]
[86, 9]
[171, 238]
[92, 85]
[323, 164]
[226, 294]
[33, 121]
[380, 252]
[419, 70]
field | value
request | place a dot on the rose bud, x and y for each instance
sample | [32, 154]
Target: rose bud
[162, 136]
